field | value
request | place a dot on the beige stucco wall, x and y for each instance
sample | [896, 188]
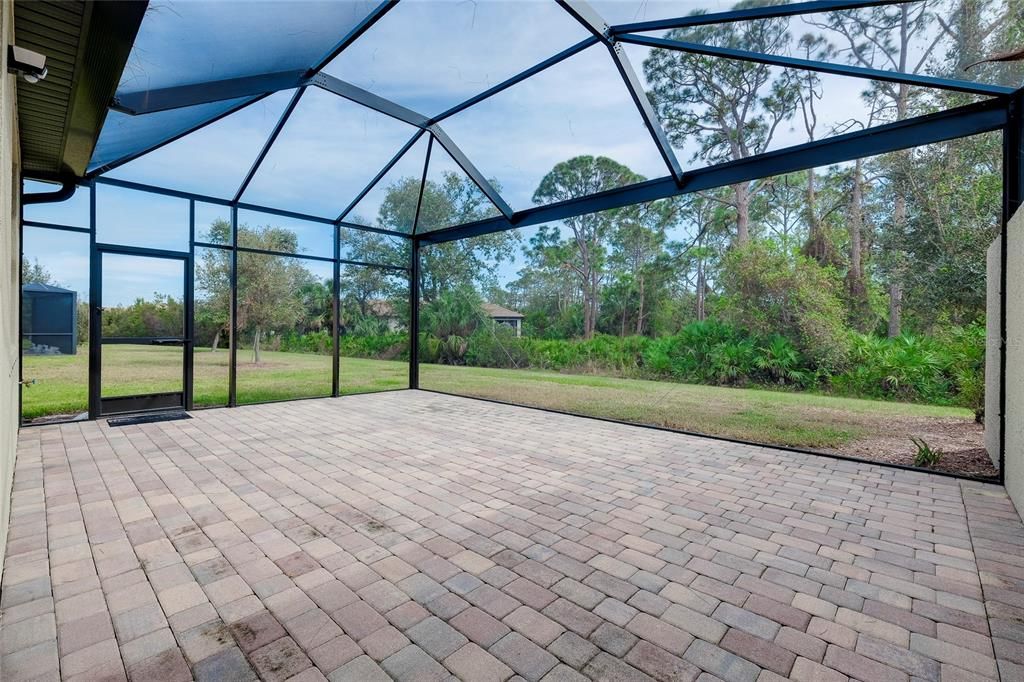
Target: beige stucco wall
[9, 273]
[993, 311]
[1015, 360]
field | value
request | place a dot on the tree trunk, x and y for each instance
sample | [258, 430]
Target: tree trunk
[640, 310]
[899, 219]
[256, 346]
[701, 289]
[855, 280]
[216, 341]
[895, 309]
[817, 244]
[741, 191]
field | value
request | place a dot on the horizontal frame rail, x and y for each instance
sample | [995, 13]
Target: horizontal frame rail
[128, 184]
[913, 132]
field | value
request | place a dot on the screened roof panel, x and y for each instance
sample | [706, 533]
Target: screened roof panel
[871, 37]
[391, 203]
[430, 55]
[192, 42]
[629, 11]
[327, 152]
[124, 136]
[450, 197]
[702, 125]
[218, 155]
[577, 107]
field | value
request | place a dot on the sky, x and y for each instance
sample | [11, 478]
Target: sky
[424, 54]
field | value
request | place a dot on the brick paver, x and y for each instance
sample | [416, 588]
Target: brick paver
[418, 536]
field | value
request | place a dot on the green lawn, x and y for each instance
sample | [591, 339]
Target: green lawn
[61, 386]
[795, 419]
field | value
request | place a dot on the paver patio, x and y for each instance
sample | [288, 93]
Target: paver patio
[418, 537]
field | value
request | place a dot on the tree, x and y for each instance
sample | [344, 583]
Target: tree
[583, 254]
[213, 286]
[766, 291]
[731, 109]
[639, 261]
[34, 272]
[887, 38]
[268, 286]
[449, 321]
[453, 201]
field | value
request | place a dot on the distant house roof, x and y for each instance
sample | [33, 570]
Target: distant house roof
[45, 288]
[495, 311]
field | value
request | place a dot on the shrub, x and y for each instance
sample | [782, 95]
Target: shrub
[780, 361]
[926, 455]
[496, 345]
[948, 369]
[770, 291]
[451, 319]
[707, 352]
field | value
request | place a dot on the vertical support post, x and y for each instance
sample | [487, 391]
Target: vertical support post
[20, 302]
[233, 317]
[95, 311]
[188, 349]
[1013, 198]
[336, 316]
[414, 314]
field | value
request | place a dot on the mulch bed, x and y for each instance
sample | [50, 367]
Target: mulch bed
[961, 442]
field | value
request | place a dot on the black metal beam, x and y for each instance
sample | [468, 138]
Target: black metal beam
[279, 81]
[95, 321]
[913, 132]
[369, 99]
[233, 314]
[162, 99]
[278, 127]
[190, 310]
[765, 12]
[414, 315]
[423, 186]
[598, 27]
[128, 184]
[335, 316]
[647, 113]
[383, 171]
[821, 67]
[472, 171]
[191, 94]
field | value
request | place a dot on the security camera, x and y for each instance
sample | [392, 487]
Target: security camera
[28, 64]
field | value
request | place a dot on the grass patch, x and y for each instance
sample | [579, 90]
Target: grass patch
[62, 381]
[783, 418]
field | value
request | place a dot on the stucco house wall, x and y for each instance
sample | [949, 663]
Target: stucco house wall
[9, 274]
[1014, 376]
